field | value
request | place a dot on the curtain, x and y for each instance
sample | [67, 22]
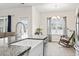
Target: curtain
[65, 26]
[49, 29]
[9, 23]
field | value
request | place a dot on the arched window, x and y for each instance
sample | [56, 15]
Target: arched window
[57, 25]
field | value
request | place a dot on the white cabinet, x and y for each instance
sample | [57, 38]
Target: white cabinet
[36, 47]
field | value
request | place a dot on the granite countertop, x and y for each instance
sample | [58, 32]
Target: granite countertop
[13, 50]
[38, 37]
[35, 37]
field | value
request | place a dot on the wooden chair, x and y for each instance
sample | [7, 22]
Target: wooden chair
[65, 41]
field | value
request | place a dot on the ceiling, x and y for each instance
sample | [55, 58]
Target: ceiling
[14, 5]
[43, 7]
[58, 7]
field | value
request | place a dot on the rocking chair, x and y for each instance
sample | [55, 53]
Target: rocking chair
[65, 41]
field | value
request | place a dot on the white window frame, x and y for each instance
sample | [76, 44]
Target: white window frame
[57, 21]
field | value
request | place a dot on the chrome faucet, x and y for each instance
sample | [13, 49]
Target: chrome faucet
[23, 27]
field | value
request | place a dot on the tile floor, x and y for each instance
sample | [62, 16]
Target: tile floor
[54, 49]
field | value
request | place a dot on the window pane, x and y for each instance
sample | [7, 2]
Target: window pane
[57, 26]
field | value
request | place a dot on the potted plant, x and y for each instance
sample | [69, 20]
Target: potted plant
[38, 31]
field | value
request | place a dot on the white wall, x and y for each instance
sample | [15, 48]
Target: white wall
[35, 19]
[16, 13]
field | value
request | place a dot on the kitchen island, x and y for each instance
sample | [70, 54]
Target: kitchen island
[14, 50]
[37, 43]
